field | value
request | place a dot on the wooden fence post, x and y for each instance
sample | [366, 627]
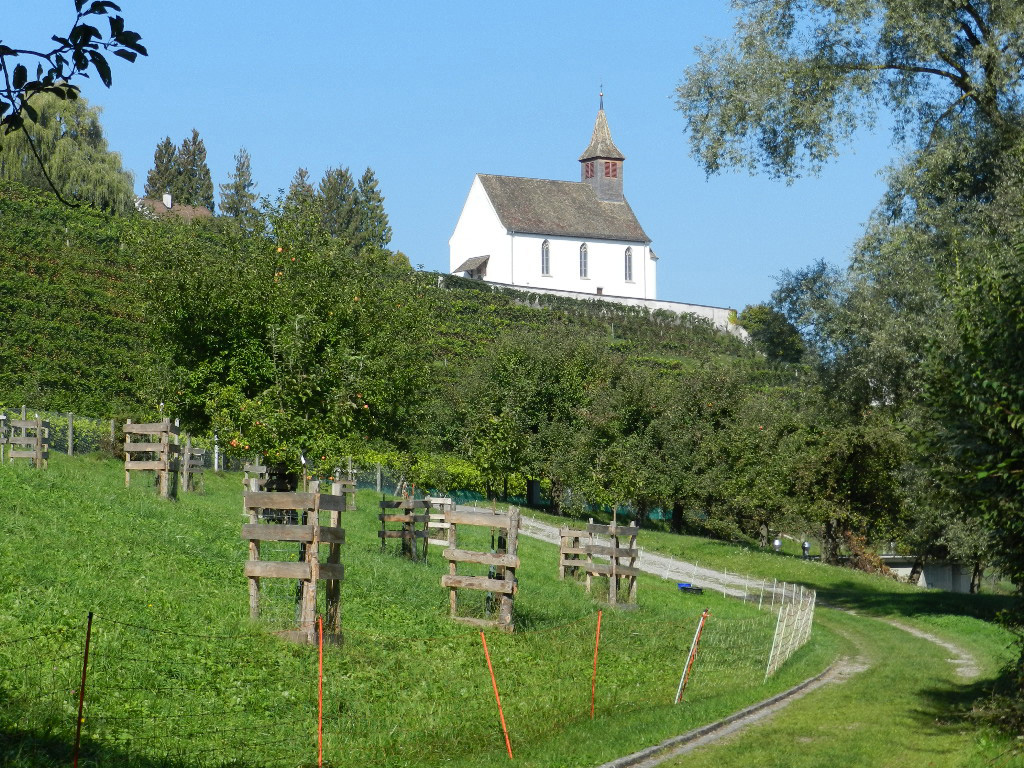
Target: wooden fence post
[509, 575]
[71, 434]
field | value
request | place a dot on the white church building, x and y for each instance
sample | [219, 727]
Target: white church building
[574, 238]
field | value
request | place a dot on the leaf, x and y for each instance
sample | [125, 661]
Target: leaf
[5, 51]
[101, 67]
[126, 55]
[116, 26]
[20, 76]
[29, 110]
[83, 34]
[13, 123]
[79, 4]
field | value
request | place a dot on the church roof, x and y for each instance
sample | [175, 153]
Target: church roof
[471, 263]
[601, 144]
[561, 209]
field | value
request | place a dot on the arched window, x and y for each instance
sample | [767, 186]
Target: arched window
[545, 258]
[629, 265]
[583, 261]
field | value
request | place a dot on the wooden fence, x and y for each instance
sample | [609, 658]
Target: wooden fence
[27, 439]
[161, 454]
[413, 526]
[193, 466]
[619, 556]
[267, 513]
[437, 526]
[504, 560]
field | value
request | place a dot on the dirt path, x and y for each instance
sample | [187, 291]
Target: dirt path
[964, 663]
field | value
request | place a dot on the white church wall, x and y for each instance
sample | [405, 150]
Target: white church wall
[479, 232]
[606, 262]
[650, 266]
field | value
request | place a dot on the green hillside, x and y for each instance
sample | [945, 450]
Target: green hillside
[76, 336]
[179, 676]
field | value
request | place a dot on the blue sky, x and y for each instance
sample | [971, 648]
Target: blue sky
[429, 94]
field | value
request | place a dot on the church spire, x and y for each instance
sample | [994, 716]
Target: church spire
[601, 163]
[601, 144]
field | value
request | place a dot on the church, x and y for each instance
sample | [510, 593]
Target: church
[577, 237]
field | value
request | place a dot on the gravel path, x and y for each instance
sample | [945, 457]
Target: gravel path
[669, 568]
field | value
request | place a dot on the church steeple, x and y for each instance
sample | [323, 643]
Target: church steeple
[601, 162]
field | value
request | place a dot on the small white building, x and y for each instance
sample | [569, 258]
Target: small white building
[568, 236]
[937, 574]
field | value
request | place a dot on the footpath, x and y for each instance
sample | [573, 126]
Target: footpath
[730, 584]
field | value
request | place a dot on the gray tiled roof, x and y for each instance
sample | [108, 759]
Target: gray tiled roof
[601, 144]
[472, 263]
[560, 208]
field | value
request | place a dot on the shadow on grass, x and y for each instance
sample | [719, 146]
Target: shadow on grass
[979, 704]
[26, 748]
[851, 595]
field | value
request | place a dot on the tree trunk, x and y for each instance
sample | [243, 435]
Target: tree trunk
[641, 513]
[916, 570]
[677, 517]
[976, 574]
[533, 494]
[830, 542]
[556, 497]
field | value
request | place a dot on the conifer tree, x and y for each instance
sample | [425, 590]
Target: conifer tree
[374, 228]
[300, 191]
[161, 179]
[341, 214]
[194, 185]
[69, 138]
[238, 197]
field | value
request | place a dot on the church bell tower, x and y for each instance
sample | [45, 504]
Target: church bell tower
[601, 162]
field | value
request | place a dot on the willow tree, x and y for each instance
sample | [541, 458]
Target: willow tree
[799, 77]
[69, 140]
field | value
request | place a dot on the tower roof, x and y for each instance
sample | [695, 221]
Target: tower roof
[601, 144]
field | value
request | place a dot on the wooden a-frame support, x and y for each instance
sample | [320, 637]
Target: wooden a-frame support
[505, 561]
[305, 509]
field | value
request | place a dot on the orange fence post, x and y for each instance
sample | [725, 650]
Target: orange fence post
[692, 656]
[494, 682]
[593, 679]
[320, 692]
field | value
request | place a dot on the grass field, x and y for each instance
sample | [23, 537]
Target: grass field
[909, 707]
[179, 676]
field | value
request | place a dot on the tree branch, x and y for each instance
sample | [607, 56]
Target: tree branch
[954, 77]
[978, 19]
[972, 38]
[42, 168]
